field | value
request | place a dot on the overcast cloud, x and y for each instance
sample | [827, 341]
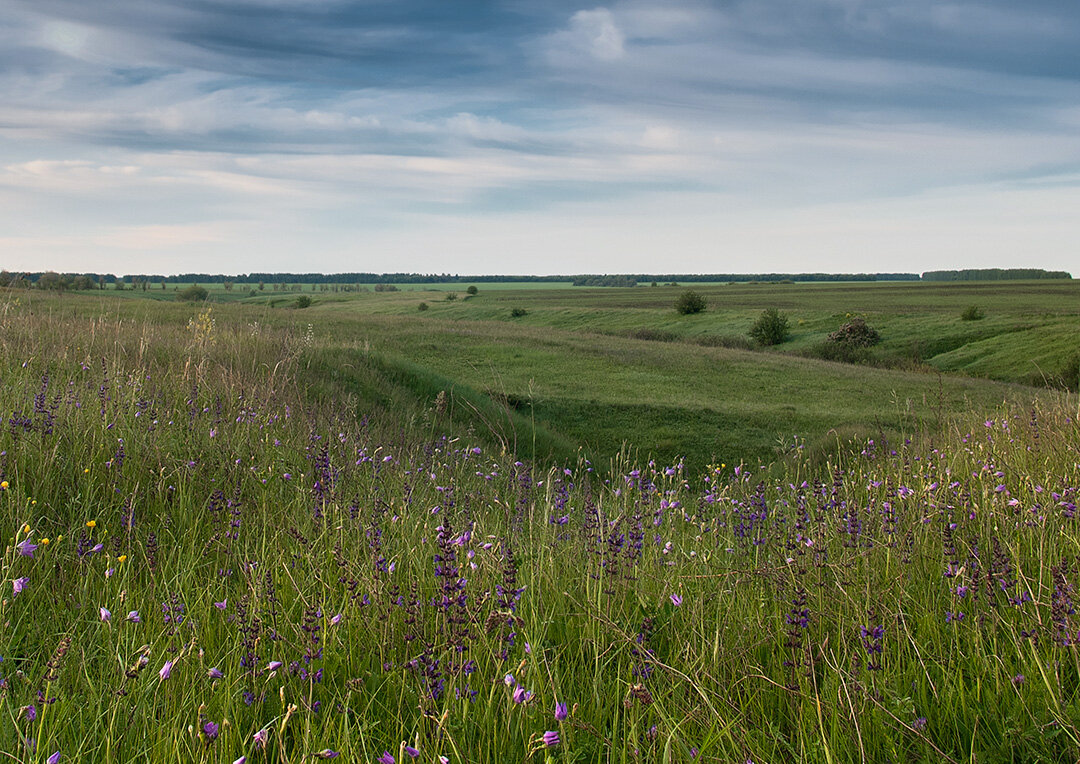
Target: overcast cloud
[521, 137]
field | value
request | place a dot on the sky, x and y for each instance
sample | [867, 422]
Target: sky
[553, 137]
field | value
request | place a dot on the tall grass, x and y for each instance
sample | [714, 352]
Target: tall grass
[229, 561]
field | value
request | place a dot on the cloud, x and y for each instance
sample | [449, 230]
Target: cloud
[591, 34]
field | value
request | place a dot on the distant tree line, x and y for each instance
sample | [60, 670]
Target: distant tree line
[383, 281]
[994, 274]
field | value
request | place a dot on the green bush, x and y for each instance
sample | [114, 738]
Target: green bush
[472, 290]
[303, 301]
[451, 296]
[422, 306]
[518, 312]
[972, 313]
[690, 302]
[771, 328]
[193, 293]
[855, 333]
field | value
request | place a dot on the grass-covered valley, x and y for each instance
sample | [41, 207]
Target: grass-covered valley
[566, 525]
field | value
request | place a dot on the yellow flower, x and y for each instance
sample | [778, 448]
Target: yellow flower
[3, 485]
[91, 523]
[86, 470]
[121, 558]
[25, 528]
[44, 542]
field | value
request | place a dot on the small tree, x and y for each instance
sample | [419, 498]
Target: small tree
[690, 302]
[303, 301]
[972, 313]
[472, 290]
[193, 293]
[422, 306]
[771, 328]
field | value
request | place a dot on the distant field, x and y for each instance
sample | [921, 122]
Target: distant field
[589, 371]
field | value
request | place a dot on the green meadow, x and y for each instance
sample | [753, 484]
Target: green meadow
[558, 525]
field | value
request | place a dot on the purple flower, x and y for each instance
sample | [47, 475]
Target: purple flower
[54, 759]
[105, 614]
[222, 605]
[26, 549]
[211, 729]
[521, 695]
[31, 713]
[386, 758]
[214, 673]
[676, 600]
[241, 760]
[166, 671]
[19, 584]
[336, 620]
[919, 723]
[326, 753]
[508, 680]
[261, 738]
[412, 752]
[133, 616]
[561, 712]
[274, 665]
[551, 738]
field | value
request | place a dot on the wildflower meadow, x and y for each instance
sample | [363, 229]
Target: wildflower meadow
[204, 562]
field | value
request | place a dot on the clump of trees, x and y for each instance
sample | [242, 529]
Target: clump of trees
[771, 328]
[689, 302]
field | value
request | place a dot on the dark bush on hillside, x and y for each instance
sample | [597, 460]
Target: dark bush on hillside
[771, 328]
[451, 296]
[855, 333]
[972, 313]
[690, 302]
[472, 290]
[193, 293]
[303, 301]
[518, 312]
[422, 306]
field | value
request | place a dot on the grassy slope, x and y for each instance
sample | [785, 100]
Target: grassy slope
[565, 374]
[668, 399]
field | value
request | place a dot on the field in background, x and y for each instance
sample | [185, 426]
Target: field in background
[600, 369]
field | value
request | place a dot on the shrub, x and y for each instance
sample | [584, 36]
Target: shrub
[690, 302]
[422, 307]
[518, 312]
[771, 328]
[856, 334]
[451, 296]
[972, 313]
[193, 293]
[303, 301]
[472, 290]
